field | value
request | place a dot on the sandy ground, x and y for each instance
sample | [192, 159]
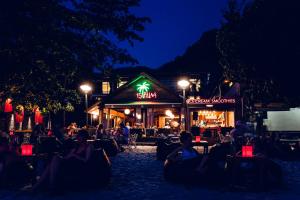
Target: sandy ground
[138, 175]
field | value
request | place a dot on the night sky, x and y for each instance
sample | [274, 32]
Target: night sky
[176, 24]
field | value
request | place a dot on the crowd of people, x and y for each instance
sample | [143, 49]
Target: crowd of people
[184, 164]
[74, 155]
[224, 161]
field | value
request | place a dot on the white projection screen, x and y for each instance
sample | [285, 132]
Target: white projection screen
[283, 120]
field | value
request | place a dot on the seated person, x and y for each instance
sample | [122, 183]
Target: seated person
[100, 132]
[183, 163]
[61, 169]
[186, 151]
[14, 172]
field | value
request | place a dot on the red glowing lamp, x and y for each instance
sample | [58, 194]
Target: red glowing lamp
[247, 151]
[26, 149]
[38, 118]
[8, 106]
[198, 138]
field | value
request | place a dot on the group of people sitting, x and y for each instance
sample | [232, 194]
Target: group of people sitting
[78, 167]
[186, 165]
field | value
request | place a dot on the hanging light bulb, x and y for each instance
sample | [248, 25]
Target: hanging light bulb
[127, 111]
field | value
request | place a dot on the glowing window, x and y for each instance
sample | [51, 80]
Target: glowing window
[105, 87]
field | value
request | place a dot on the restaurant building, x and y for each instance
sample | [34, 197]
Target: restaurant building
[144, 101]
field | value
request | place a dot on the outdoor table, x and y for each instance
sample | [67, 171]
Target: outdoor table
[203, 144]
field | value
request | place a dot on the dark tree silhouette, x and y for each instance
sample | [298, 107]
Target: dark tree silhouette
[47, 46]
[259, 45]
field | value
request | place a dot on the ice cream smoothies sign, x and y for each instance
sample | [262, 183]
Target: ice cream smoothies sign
[211, 101]
[144, 91]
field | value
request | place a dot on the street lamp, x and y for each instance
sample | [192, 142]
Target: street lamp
[86, 88]
[183, 84]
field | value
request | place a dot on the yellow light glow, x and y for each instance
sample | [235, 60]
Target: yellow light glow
[138, 116]
[183, 84]
[168, 112]
[86, 88]
[127, 111]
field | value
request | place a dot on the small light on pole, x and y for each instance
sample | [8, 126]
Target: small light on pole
[183, 84]
[86, 88]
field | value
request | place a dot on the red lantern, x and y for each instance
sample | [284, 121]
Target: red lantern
[38, 118]
[198, 138]
[247, 151]
[26, 149]
[20, 116]
[8, 106]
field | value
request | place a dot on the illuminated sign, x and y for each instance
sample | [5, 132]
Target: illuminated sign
[143, 91]
[210, 101]
[146, 95]
[143, 87]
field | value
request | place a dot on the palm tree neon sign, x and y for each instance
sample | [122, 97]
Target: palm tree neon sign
[143, 91]
[144, 87]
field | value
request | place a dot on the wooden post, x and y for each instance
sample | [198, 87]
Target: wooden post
[108, 118]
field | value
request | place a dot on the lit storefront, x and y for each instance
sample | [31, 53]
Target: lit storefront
[212, 113]
[143, 102]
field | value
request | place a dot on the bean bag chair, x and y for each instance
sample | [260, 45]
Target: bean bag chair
[183, 171]
[110, 146]
[76, 175]
[254, 174]
[17, 174]
[164, 148]
[216, 164]
[99, 168]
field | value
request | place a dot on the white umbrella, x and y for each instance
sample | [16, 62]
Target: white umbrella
[29, 123]
[12, 123]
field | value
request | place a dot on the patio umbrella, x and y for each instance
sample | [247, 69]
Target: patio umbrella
[12, 123]
[49, 124]
[29, 127]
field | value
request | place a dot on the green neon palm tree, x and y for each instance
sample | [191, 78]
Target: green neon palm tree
[144, 87]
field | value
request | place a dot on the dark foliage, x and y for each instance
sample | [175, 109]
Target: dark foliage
[259, 45]
[47, 47]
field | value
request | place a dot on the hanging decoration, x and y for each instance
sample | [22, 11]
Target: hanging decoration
[8, 108]
[38, 117]
[19, 114]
